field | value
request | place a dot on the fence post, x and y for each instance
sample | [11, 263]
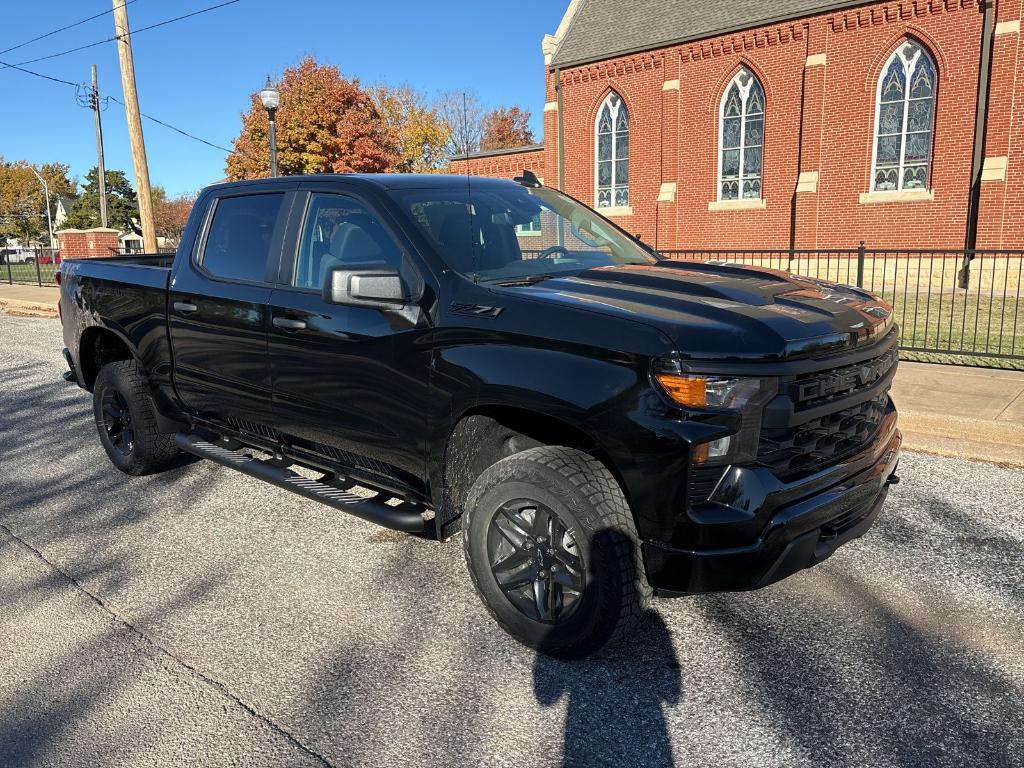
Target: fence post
[860, 264]
[10, 276]
[39, 275]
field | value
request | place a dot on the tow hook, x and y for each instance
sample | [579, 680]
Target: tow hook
[893, 479]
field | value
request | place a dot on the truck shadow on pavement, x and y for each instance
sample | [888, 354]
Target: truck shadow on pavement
[902, 650]
[902, 653]
[62, 508]
[614, 702]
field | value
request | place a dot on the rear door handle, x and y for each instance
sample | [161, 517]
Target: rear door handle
[184, 307]
[287, 324]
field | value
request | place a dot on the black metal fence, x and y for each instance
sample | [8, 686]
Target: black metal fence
[38, 266]
[963, 306]
[29, 266]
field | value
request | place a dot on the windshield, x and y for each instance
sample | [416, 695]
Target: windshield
[509, 233]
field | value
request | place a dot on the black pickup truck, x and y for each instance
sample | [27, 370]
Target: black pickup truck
[436, 353]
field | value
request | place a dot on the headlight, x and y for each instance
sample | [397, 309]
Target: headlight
[695, 391]
[738, 401]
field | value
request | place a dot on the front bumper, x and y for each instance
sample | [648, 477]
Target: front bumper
[810, 520]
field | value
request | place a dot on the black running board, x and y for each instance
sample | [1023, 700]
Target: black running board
[402, 517]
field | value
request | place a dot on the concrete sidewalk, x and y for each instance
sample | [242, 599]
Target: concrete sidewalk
[29, 300]
[969, 413]
[948, 410]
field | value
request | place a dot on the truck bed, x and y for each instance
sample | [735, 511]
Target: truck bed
[125, 294]
[142, 259]
[144, 271]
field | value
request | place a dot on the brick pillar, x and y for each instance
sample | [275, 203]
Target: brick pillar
[1002, 178]
[668, 207]
[805, 234]
[87, 243]
[550, 129]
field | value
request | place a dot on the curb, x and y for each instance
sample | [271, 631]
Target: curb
[18, 308]
[996, 442]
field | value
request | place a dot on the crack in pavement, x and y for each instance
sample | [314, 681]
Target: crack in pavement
[160, 652]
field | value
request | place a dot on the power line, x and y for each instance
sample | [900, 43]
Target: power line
[38, 74]
[165, 124]
[181, 130]
[78, 86]
[134, 32]
[61, 29]
[186, 16]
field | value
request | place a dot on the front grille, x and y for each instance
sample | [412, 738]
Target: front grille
[814, 389]
[823, 441]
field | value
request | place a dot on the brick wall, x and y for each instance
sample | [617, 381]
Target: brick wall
[1002, 190]
[504, 166]
[87, 243]
[819, 75]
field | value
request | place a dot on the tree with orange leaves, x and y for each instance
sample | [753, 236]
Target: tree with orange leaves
[325, 124]
[506, 127]
[170, 214]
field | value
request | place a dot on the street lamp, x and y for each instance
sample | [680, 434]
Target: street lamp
[271, 98]
[46, 194]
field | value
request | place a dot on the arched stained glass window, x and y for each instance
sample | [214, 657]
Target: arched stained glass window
[904, 121]
[741, 138]
[612, 155]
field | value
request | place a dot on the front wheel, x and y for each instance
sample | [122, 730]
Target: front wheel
[552, 550]
[126, 421]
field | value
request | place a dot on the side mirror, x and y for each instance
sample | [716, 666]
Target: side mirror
[366, 285]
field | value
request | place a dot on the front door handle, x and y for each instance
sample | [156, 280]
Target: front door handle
[287, 324]
[184, 307]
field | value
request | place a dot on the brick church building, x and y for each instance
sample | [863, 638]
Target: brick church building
[787, 123]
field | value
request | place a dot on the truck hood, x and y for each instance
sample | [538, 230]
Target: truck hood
[714, 311]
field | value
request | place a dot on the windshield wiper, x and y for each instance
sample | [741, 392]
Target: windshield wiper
[524, 280]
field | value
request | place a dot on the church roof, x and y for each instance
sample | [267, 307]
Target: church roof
[602, 29]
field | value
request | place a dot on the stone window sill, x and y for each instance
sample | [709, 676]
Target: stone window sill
[616, 210]
[907, 196]
[749, 204]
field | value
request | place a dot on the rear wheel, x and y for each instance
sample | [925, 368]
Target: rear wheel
[552, 550]
[126, 421]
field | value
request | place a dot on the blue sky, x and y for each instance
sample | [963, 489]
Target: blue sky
[198, 73]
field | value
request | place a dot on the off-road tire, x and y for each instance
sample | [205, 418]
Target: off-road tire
[588, 499]
[152, 451]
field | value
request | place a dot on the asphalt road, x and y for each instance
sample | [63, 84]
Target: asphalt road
[200, 618]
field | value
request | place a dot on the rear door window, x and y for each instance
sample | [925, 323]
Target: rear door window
[240, 236]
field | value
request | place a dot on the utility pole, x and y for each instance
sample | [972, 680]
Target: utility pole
[131, 108]
[100, 167]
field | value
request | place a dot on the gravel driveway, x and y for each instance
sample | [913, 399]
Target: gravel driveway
[201, 618]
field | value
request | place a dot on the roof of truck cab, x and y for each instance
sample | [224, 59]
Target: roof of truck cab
[378, 180]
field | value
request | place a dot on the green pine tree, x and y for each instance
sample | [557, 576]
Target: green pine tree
[122, 204]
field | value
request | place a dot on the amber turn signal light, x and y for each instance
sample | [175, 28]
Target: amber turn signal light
[691, 391]
[699, 453]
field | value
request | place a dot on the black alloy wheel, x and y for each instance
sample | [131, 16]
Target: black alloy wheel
[536, 561]
[117, 420]
[553, 552]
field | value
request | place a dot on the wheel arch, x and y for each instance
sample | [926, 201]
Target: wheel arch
[485, 434]
[98, 346]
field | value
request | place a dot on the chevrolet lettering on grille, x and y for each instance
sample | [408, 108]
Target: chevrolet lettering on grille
[844, 380]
